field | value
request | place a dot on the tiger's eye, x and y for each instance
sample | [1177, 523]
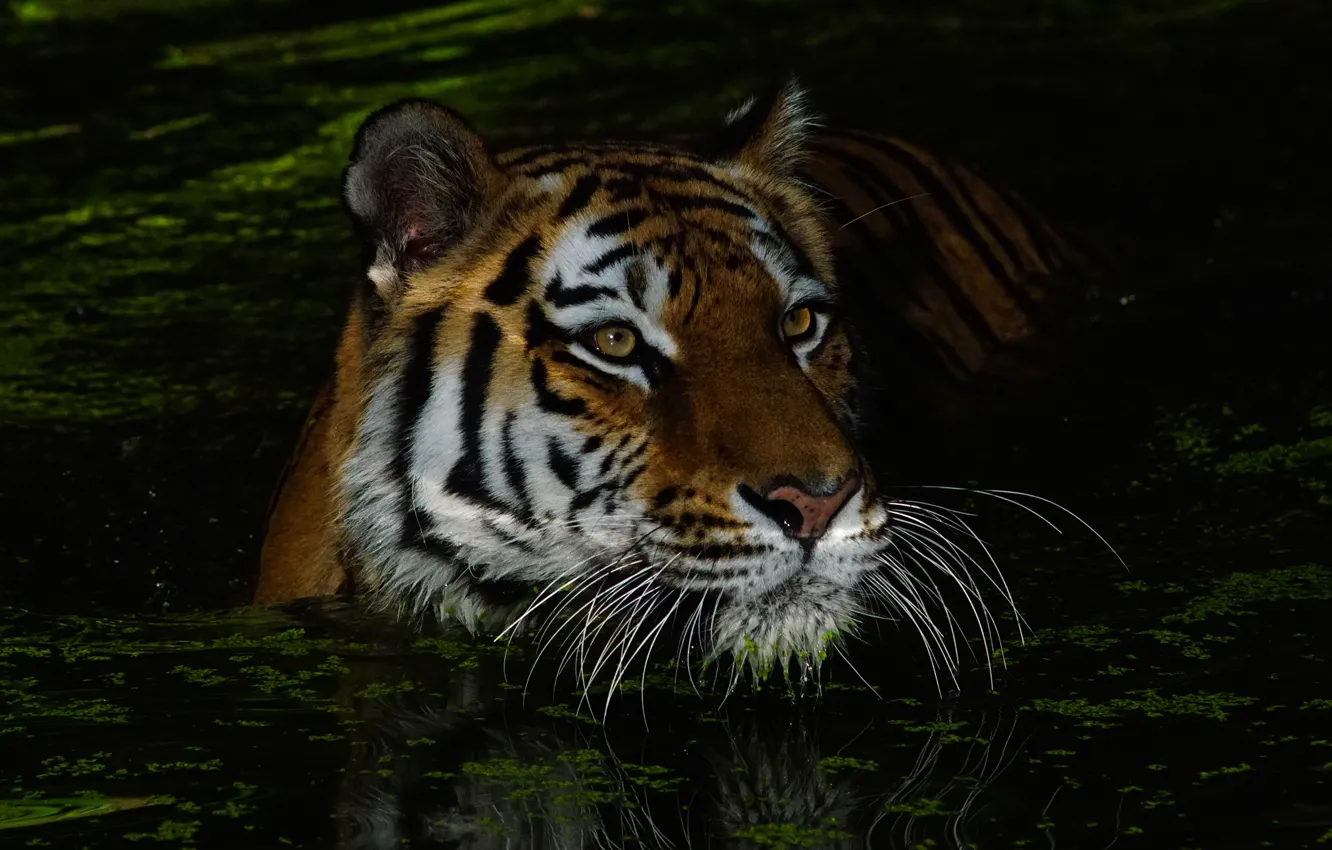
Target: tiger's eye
[615, 341]
[797, 322]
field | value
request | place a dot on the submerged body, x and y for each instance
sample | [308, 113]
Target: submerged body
[613, 386]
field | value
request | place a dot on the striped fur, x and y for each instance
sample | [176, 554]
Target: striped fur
[480, 459]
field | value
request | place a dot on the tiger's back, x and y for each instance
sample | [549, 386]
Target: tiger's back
[959, 284]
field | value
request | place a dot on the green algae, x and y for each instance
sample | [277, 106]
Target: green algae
[786, 836]
[1238, 592]
[574, 778]
[566, 712]
[1207, 437]
[833, 764]
[1229, 770]
[1214, 706]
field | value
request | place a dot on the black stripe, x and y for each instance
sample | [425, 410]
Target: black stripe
[1012, 282]
[789, 257]
[872, 245]
[547, 399]
[414, 386]
[693, 300]
[923, 243]
[531, 155]
[609, 259]
[635, 280]
[579, 196]
[804, 266]
[513, 468]
[675, 280]
[508, 537]
[863, 285]
[540, 330]
[413, 391]
[582, 500]
[688, 203]
[642, 447]
[624, 188]
[657, 367]
[730, 237]
[575, 295]
[672, 171]
[715, 551]
[1006, 244]
[617, 222]
[633, 476]
[555, 166]
[562, 464]
[1049, 245]
[516, 275]
[591, 445]
[434, 545]
[609, 460]
[946, 200]
[466, 479]
[570, 360]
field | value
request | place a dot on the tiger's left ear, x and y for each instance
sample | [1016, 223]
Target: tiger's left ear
[769, 132]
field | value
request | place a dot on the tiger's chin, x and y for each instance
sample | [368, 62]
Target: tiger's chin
[788, 630]
[622, 618]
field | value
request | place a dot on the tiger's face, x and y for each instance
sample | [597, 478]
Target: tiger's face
[607, 387]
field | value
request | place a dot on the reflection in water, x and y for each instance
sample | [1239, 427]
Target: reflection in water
[449, 771]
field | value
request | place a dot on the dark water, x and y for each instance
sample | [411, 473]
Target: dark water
[174, 268]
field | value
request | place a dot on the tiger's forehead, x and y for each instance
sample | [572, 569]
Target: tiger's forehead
[667, 232]
[650, 224]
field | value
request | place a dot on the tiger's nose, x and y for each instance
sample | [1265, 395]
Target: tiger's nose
[801, 514]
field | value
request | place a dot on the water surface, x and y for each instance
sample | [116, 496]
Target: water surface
[175, 267]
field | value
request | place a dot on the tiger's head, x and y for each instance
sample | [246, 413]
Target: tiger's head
[606, 385]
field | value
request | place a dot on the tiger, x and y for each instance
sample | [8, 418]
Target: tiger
[606, 386]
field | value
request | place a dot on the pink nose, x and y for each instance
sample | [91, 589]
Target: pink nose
[815, 512]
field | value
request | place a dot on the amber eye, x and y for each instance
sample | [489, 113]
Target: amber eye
[614, 341]
[798, 322]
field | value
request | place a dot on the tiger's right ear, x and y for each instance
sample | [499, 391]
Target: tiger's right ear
[418, 180]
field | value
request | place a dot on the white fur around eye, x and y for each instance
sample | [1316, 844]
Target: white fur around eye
[803, 347]
[628, 371]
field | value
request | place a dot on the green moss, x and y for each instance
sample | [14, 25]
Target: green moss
[385, 690]
[1276, 458]
[182, 832]
[1148, 701]
[1225, 771]
[58, 766]
[784, 836]
[565, 711]
[833, 764]
[574, 778]
[919, 808]
[1234, 594]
